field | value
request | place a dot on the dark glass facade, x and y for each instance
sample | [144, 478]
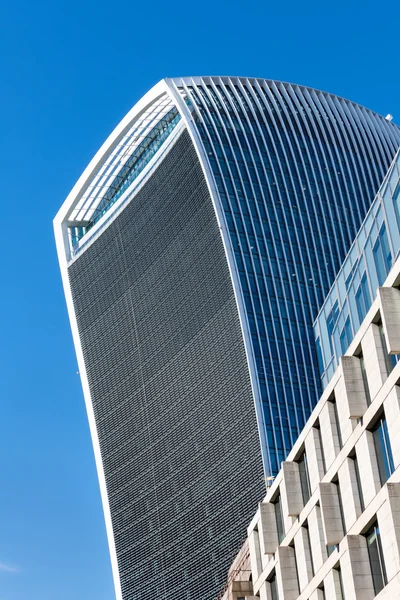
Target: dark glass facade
[169, 385]
[295, 171]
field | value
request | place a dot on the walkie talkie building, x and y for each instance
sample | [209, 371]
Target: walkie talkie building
[196, 250]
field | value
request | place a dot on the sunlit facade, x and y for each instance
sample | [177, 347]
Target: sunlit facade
[366, 267]
[196, 250]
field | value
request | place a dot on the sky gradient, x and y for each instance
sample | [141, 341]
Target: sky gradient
[70, 72]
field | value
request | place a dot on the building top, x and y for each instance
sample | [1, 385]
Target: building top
[365, 268]
[131, 151]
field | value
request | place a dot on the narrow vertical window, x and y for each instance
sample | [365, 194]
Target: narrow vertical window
[396, 202]
[317, 426]
[337, 422]
[296, 567]
[377, 564]
[346, 335]
[390, 360]
[273, 587]
[382, 255]
[383, 450]
[279, 519]
[365, 379]
[309, 550]
[358, 480]
[304, 478]
[340, 505]
[338, 582]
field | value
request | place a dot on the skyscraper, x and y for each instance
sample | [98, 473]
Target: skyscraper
[196, 249]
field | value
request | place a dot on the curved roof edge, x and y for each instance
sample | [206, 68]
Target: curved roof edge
[199, 78]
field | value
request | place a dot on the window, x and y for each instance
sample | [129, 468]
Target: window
[365, 379]
[337, 422]
[322, 589]
[382, 255]
[317, 426]
[296, 565]
[304, 478]
[308, 551]
[332, 548]
[346, 335]
[383, 450]
[376, 561]
[340, 505]
[396, 202]
[273, 588]
[331, 322]
[358, 481]
[363, 298]
[319, 356]
[337, 577]
[390, 359]
[278, 518]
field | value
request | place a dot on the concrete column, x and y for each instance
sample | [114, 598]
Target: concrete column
[392, 412]
[354, 386]
[368, 466]
[374, 358]
[314, 458]
[390, 314]
[267, 528]
[286, 574]
[332, 586]
[303, 557]
[317, 595]
[329, 435]
[389, 524]
[317, 537]
[255, 554]
[331, 516]
[291, 482]
[356, 570]
[349, 490]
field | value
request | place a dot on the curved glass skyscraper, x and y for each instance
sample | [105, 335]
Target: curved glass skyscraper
[196, 250]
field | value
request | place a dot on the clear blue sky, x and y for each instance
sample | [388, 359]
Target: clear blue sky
[69, 72]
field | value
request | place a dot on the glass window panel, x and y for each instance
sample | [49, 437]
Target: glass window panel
[376, 561]
[279, 519]
[304, 478]
[383, 450]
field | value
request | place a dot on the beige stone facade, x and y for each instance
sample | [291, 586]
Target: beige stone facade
[329, 526]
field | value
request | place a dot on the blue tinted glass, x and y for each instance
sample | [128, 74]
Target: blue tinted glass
[379, 263]
[319, 355]
[294, 191]
[331, 322]
[387, 255]
[396, 202]
[383, 450]
[382, 255]
[346, 336]
[363, 299]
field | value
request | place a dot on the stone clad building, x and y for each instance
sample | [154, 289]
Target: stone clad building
[329, 526]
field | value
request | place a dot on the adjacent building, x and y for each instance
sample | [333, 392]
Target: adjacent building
[329, 526]
[195, 251]
[369, 260]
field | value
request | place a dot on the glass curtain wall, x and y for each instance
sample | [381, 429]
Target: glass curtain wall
[295, 170]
